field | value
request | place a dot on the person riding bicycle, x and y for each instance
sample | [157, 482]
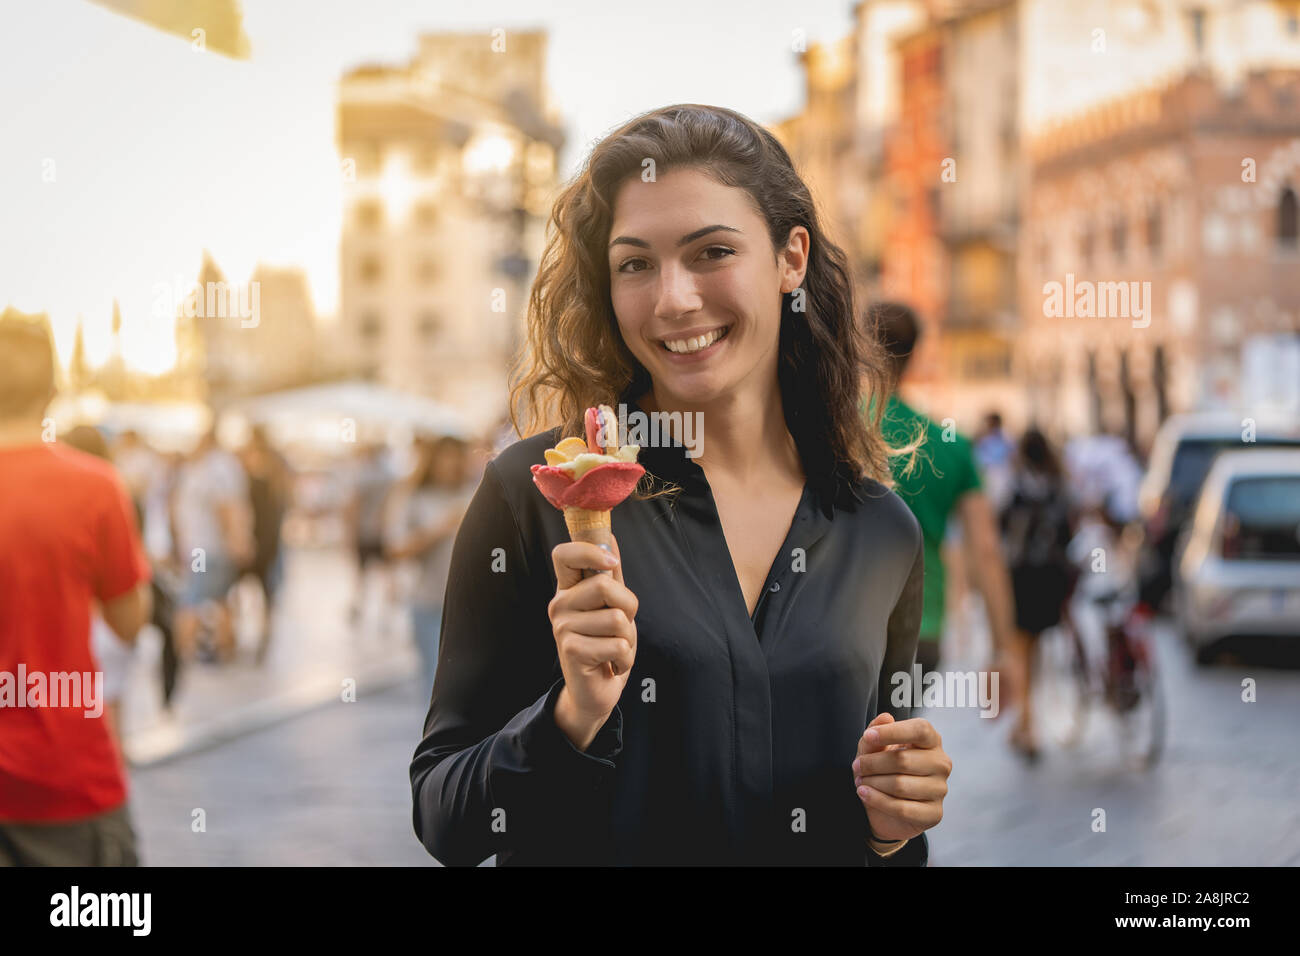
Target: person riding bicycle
[1036, 531]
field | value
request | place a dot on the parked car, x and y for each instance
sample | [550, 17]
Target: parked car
[1238, 571]
[1184, 449]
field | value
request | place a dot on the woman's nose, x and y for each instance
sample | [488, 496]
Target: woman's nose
[677, 292]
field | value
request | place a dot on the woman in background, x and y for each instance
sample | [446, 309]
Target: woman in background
[426, 511]
[1036, 533]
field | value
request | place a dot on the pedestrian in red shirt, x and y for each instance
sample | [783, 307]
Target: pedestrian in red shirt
[68, 538]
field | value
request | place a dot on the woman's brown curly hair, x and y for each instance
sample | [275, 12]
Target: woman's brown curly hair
[576, 357]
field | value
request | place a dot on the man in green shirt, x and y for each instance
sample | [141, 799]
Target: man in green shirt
[942, 479]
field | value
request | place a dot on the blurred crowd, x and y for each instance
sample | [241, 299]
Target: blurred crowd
[212, 521]
[1013, 519]
[105, 535]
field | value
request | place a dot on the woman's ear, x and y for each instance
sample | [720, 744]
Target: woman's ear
[794, 259]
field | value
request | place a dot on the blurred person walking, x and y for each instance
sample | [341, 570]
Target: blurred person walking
[213, 539]
[426, 513]
[269, 486]
[939, 482]
[149, 477]
[372, 480]
[168, 575]
[68, 538]
[113, 654]
[994, 452]
[1036, 532]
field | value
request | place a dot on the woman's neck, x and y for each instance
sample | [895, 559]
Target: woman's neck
[743, 439]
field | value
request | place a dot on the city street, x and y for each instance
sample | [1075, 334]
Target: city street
[315, 648]
[330, 787]
[1222, 794]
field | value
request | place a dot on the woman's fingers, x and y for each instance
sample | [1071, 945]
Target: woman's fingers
[918, 732]
[589, 594]
[905, 786]
[909, 760]
[595, 652]
[572, 557]
[607, 622]
[920, 813]
[600, 591]
[618, 568]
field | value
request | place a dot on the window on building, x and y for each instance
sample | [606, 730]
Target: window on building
[370, 214]
[424, 160]
[1287, 219]
[428, 324]
[1155, 230]
[1118, 237]
[1196, 16]
[426, 270]
[371, 327]
[370, 269]
[426, 214]
[368, 157]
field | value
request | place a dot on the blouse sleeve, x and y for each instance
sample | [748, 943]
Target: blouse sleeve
[494, 772]
[900, 653]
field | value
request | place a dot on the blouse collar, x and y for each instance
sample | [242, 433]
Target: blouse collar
[668, 460]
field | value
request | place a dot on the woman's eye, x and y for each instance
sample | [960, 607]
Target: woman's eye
[706, 254]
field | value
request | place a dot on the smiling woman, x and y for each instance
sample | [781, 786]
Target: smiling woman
[723, 695]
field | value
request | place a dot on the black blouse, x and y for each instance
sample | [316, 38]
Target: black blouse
[734, 738]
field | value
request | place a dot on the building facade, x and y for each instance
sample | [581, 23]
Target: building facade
[1166, 221]
[449, 165]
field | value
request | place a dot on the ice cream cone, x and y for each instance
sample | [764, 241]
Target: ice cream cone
[587, 479]
[593, 527]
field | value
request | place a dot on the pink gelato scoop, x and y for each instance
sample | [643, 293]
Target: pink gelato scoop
[606, 476]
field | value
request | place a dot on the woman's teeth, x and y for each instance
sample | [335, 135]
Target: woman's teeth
[697, 343]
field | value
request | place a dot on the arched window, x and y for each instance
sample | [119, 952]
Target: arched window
[1154, 230]
[1287, 226]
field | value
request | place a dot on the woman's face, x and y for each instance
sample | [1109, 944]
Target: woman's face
[690, 258]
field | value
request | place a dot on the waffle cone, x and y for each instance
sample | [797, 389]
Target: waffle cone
[585, 525]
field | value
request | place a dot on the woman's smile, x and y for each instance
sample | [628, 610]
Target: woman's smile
[694, 348]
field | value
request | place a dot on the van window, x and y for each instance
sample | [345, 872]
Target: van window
[1262, 519]
[1194, 457]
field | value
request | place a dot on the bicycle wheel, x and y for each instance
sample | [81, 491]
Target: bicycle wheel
[1060, 685]
[1141, 714]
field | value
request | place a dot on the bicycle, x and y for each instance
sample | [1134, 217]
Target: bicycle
[1119, 672]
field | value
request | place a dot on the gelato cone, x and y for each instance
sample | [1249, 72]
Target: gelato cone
[587, 479]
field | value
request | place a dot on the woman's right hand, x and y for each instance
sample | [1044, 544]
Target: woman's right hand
[594, 622]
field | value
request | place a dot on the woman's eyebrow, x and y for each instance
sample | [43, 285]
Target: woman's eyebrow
[684, 240]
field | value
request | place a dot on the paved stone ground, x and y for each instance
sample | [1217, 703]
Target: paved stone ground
[330, 787]
[1223, 793]
[327, 788]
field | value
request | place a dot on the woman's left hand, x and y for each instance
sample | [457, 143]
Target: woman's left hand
[904, 772]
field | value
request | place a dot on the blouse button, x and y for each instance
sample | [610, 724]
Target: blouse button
[776, 586]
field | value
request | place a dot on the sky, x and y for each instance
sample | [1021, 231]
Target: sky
[124, 153]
